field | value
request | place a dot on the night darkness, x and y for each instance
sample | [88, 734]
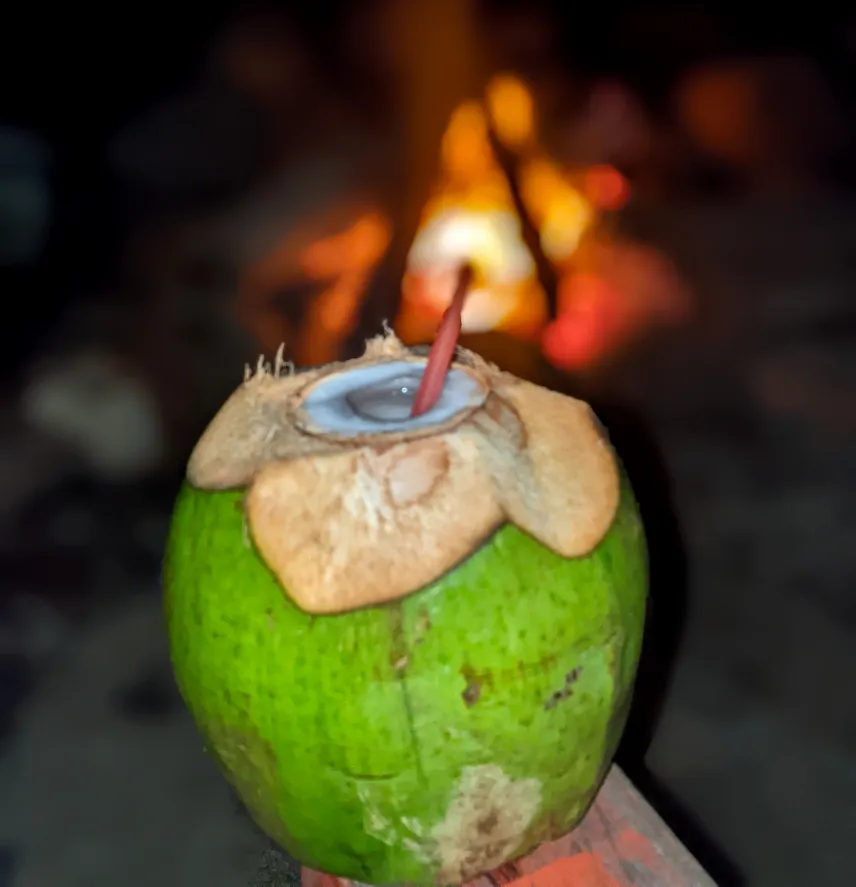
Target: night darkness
[185, 159]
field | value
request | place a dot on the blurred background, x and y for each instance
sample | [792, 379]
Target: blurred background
[658, 200]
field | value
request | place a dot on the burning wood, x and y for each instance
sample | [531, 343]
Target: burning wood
[322, 259]
[605, 293]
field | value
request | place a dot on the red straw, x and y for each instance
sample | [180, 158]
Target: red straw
[443, 349]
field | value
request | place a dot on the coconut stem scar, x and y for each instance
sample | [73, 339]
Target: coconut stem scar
[443, 348]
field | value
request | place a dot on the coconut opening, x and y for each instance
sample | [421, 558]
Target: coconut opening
[378, 399]
[351, 501]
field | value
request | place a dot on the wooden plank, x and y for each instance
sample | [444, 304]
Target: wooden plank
[622, 842]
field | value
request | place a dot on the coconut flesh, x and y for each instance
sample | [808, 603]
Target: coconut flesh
[377, 399]
[351, 503]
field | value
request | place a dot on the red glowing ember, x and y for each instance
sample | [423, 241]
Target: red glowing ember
[443, 349]
[606, 188]
[590, 317]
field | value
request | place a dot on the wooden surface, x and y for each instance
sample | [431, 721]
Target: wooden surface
[622, 842]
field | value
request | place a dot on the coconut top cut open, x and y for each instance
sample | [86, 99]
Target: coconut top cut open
[351, 502]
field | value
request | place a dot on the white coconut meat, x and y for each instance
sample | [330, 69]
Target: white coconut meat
[351, 502]
[377, 399]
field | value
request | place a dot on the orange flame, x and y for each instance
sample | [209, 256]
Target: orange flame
[607, 291]
[349, 258]
[512, 111]
[344, 262]
[472, 218]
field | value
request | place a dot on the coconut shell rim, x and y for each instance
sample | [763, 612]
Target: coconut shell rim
[302, 416]
[509, 459]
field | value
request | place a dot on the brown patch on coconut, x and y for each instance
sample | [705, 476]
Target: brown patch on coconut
[362, 527]
[485, 824]
[554, 472]
[251, 429]
[353, 502]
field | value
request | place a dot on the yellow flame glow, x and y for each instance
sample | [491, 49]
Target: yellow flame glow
[472, 217]
[512, 111]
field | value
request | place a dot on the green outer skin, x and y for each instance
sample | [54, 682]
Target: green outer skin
[346, 736]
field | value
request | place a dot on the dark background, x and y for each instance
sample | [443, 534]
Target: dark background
[737, 428]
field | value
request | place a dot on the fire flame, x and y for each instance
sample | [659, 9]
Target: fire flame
[607, 292]
[472, 217]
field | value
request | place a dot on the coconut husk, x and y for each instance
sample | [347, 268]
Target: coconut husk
[347, 521]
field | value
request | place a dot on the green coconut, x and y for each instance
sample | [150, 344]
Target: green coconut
[409, 644]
